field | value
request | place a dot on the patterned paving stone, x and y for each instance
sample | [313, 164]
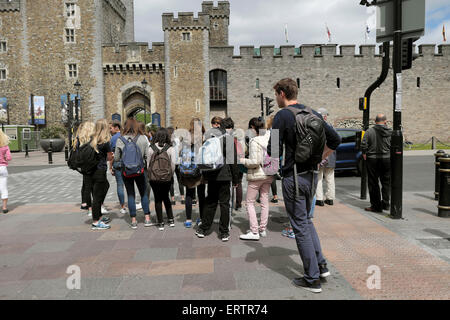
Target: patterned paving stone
[208, 282]
[179, 267]
[118, 269]
[150, 285]
[156, 254]
[43, 247]
[116, 235]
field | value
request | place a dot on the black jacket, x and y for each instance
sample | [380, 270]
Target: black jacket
[377, 142]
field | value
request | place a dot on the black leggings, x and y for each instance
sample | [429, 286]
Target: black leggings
[161, 193]
[180, 185]
[100, 186]
[274, 187]
[190, 195]
[86, 191]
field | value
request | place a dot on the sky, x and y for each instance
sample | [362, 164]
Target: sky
[262, 22]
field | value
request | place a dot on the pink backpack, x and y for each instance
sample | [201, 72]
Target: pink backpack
[270, 165]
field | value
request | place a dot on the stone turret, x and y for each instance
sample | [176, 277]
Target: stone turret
[219, 18]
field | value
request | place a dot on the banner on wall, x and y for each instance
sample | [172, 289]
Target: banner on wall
[3, 110]
[156, 119]
[39, 110]
[64, 115]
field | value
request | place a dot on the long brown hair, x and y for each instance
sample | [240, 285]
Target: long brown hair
[101, 134]
[132, 128]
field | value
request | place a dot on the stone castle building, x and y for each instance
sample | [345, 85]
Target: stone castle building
[45, 46]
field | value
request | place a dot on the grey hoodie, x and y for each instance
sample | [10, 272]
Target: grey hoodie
[377, 142]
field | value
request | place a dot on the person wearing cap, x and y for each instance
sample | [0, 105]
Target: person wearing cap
[326, 171]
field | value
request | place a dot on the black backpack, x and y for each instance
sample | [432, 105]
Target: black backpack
[310, 134]
[83, 159]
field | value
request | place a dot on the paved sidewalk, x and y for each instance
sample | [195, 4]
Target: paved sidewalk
[36, 158]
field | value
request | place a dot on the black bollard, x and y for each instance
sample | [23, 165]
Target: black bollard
[26, 151]
[444, 190]
[66, 152]
[50, 153]
[437, 155]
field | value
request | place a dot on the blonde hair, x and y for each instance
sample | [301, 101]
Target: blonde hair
[101, 134]
[4, 139]
[269, 122]
[84, 133]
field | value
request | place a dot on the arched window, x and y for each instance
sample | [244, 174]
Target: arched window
[218, 85]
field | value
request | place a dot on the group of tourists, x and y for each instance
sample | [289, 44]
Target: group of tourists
[210, 165]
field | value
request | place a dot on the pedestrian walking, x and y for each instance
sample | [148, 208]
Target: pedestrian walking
[299, 177]
[258, 181]
[100, 142]
[5, 157]
[131, 151]
[326, 172]
[191, 176]
[376, 150]
[116, 168]
[220, 182]
[161, 166]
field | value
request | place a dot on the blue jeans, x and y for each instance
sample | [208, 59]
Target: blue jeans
[142, 187]
[120, 186]
[308, 242]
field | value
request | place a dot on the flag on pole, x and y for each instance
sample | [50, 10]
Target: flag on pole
[286, 33]
[443, 33]
[328, 33]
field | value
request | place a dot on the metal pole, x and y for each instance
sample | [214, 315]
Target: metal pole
[26, 151]
[32, 108]
[397, 136]
[50, 153]
[66, 153]
[262, 105]
[366, 113]
[69, 119]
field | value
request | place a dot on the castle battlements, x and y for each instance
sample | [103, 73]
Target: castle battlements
[320, 51]
[118, 7]
[221, 11]
[12, 5]
[185, 21]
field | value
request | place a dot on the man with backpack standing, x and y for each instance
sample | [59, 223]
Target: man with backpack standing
[301, 157]
[219, 187]
[116, 169]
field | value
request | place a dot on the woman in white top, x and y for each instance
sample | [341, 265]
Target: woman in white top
[161, 188]
[258, 181]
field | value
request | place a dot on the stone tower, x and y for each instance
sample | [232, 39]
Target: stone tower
[219, 18]
[129, 24]
[186, 60]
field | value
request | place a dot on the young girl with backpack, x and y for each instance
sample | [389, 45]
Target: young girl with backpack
[161, 166]
[131, 150]
[258, 181]
[100, 185]
[83, 136]
[5, 157]
[190, 174]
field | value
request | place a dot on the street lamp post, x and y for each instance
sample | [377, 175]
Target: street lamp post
[77, 86]
[144, 86]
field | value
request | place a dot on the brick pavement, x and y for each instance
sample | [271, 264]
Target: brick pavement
[39, 241]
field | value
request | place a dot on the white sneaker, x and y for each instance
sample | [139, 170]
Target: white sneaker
[138, 206]
[263, 233]
[249, 236]
[123, 211]
[104, 210]
[90, 212]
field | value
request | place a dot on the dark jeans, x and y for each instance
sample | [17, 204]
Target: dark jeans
[180, 185]
[161, 193]
[219, 193]
[239, 191]
[379, 170]
[274, 187]
[100, 187]
[120, 185]
[190, 195]
[142, 187]
[86, 191]
[308, 242]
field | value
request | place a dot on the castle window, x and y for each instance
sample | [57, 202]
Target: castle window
[277, 51]
[70, 35]
[218, 85]
[297, 51]
[298, 83]
[197, 105]
[257, 52]
[317, 51]
[186, 36]
[216, 26]
[257, 84]
[3, 46]
[175, 71]
[338, 82]
[70, 9]
[73, 70]
[2, 74]
[418, 82]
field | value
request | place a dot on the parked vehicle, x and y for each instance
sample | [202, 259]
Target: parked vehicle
[347, 155]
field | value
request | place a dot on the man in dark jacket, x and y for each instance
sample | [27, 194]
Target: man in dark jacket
[376, 150]
[308, 243]
[219, 187]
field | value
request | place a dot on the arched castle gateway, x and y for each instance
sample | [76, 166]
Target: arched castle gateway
[194, 72]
